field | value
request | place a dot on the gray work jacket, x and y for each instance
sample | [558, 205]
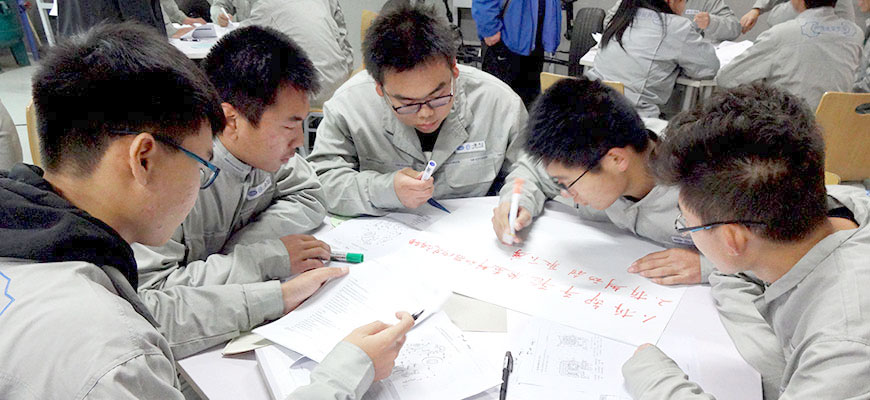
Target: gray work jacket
[318, 27]
[815, 53]
[818, 313]
[656, 48]
[361, 143]
[779, 11]
[216, 276]
[724, 25]
[239, 9]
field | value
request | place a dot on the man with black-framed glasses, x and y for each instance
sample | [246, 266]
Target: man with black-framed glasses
[412, 105]
[587, 144]
[749, 167]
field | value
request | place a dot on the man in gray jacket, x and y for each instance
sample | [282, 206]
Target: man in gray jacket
[243, 233]
[413, 105]
[588, 143]
[784, 10]
[319, 27]
[120, 176]
[750, 168]
[816, 52]
[862, 80]
[713, 19]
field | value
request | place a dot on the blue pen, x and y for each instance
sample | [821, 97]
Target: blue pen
[430, 168]
[438, 205]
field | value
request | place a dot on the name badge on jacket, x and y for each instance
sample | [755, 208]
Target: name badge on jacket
[690, 11]
[258, 190]
[471, 147]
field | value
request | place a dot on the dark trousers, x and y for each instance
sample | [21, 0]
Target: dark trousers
[521, 73]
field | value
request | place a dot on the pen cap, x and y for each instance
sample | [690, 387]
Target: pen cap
[354, 258]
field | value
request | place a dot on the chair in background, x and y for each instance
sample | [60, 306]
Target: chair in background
[32, 135]
[831, 178]
[586, 22]
[548, 79]
[845, 122]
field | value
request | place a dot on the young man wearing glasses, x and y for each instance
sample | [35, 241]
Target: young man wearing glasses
[587, 144]
[413, 104]
[242, 235]
[67, 271]
[749, 167]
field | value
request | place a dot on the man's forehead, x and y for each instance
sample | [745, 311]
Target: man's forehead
[418, 83]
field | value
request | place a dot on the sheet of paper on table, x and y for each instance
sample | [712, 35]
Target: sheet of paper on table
[435, 363]
[555, 361]
[370, 291]
[569, 272]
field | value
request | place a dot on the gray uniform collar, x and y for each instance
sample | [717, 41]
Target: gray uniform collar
[817, 13]
[821, 250]
[228, 163]
[452, 134]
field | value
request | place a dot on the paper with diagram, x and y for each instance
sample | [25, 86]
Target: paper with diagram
[370, 291]
[435, 363]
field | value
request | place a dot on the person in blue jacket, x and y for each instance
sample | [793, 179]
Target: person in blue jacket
[516, 34]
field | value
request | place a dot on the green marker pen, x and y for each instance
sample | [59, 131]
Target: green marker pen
[353, 258]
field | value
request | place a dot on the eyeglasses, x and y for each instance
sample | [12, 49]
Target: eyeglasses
[568, 188]
[416, 107]
[208, 172]
[681, 228]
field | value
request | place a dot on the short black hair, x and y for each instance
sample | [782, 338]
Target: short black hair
[820, 3]
[405, 38]
[576, 121]
[753, 153]
[249, 65]
[117, 77]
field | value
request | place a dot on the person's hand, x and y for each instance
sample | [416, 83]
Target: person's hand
[493, 40]
[300, 288]
[748, 20]
[306, 252]
[382, 342]
[191, 21]
[702, 19]
[179, 33]
[412, 192]
[501, 222]
[641, 347]
[669, 267]
[224, 19]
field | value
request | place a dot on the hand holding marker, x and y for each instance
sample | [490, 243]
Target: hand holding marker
[427, 173]
[515, 209]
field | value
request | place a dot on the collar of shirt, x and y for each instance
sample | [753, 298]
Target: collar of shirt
[817, 13]
[228, 163]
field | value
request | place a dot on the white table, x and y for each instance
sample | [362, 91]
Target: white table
[197, 50]
[694, 87]
[694, 321]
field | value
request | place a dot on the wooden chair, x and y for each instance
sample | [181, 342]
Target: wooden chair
[32, 134]
[548, 79]
[845, 122]
[831, 178]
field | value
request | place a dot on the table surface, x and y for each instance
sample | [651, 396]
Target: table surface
[695, 321]
[197, 50]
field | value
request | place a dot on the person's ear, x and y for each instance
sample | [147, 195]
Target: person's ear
[232, 116]
[618, 158]
[142, 154]
[379, 89]
[735, 238]
[455, 69]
